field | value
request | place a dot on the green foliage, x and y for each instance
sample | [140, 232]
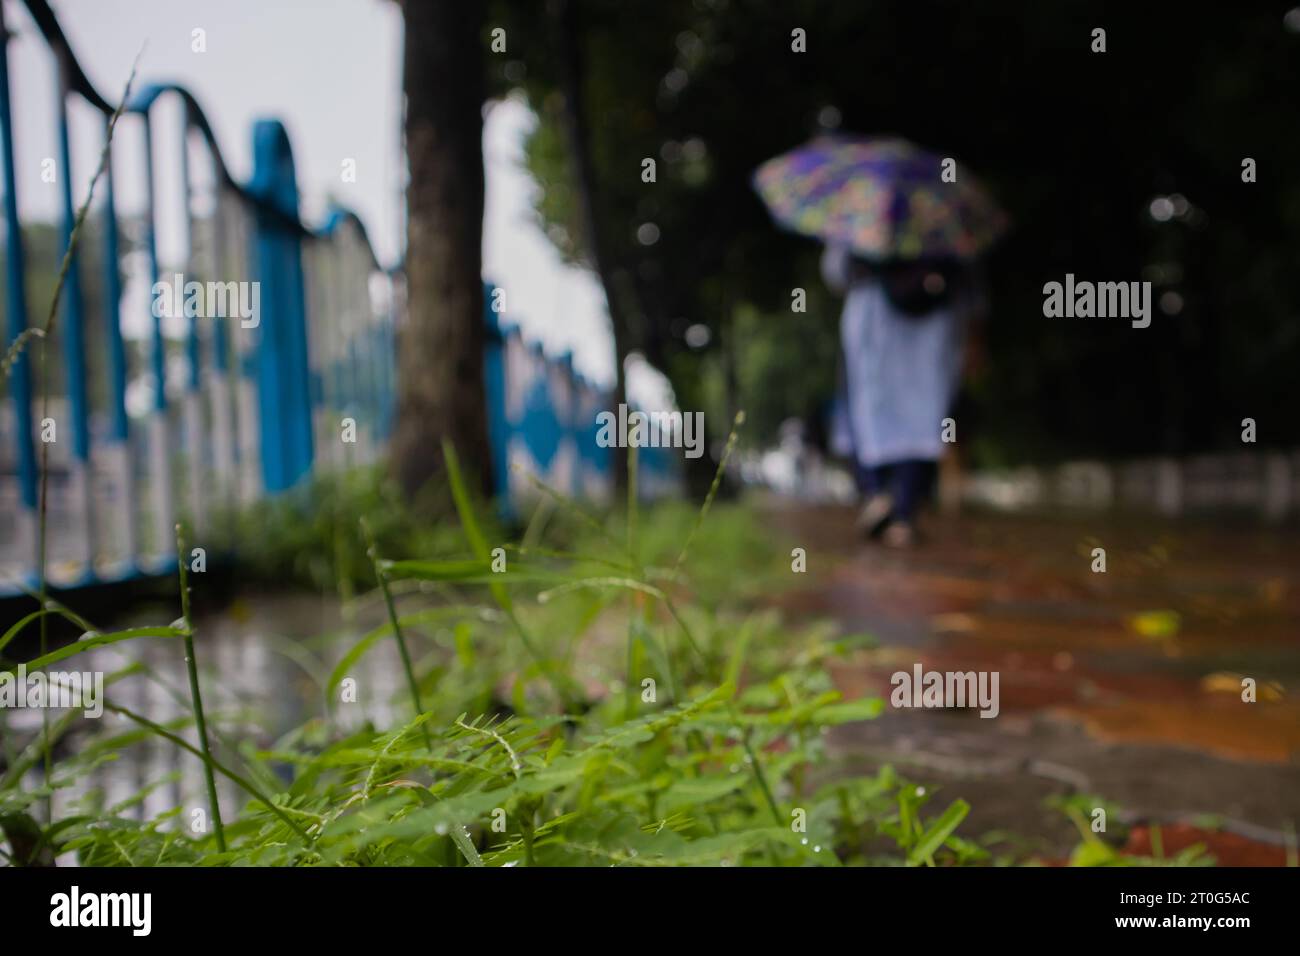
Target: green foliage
[784, 365]
[711, 89]
[1096, 849]
[310, 535]
[640, 728]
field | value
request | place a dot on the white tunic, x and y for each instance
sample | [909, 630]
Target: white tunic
[901, 371]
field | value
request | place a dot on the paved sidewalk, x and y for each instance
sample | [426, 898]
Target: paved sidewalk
[1124, 684]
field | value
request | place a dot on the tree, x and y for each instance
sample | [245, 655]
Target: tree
[711, 89]
[441, 392]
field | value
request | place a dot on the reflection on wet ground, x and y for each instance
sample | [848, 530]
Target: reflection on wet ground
[264, 661]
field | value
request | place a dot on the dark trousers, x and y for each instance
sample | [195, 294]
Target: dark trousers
[908, 482]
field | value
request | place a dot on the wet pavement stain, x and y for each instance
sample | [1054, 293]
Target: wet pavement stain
[1110, 679]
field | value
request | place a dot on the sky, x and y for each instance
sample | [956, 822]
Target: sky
[330, 70]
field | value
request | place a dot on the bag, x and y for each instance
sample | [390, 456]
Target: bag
[917, 288]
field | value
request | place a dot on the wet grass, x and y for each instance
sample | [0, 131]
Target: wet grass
[576, 707]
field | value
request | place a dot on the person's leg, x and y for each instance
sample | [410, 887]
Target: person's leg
[879, 478]
[878, 503]
[928, 482]
[864, 479]
[912, 482]
[901, 531]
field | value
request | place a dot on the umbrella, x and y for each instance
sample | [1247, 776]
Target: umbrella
[883, 197]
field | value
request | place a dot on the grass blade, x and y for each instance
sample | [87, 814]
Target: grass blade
[412, 684]
[713, 491]
[196, 698]
[478, 544]
[91, 641]
[937, 832]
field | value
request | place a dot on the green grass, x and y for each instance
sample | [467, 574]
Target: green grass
[610, 697]
[589, 705]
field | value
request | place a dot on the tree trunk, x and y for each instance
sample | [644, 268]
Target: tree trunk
[440, 355]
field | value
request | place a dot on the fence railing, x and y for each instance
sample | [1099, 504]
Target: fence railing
[1265, 484]
[252, 353]
[542, 418]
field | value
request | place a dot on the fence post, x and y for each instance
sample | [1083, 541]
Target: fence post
[494, 380]
[1276, 495]
[20, 378]
[74, 348]
[118, 451]
[159, 432]
[196, 458]
[284, 389]
[393, 318]
[1169, 487]
[567, 411]
[223, 419]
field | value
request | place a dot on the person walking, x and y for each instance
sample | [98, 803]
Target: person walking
[902, 227]
[903, 331]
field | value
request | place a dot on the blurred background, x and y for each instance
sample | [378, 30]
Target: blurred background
[440, 154]
[1122, 165]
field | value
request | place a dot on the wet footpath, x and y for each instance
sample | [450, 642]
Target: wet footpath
[1126, 684]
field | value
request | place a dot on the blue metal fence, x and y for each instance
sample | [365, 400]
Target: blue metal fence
[238, 405]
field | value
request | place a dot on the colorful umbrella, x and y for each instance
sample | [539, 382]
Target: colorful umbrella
[883, 197]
